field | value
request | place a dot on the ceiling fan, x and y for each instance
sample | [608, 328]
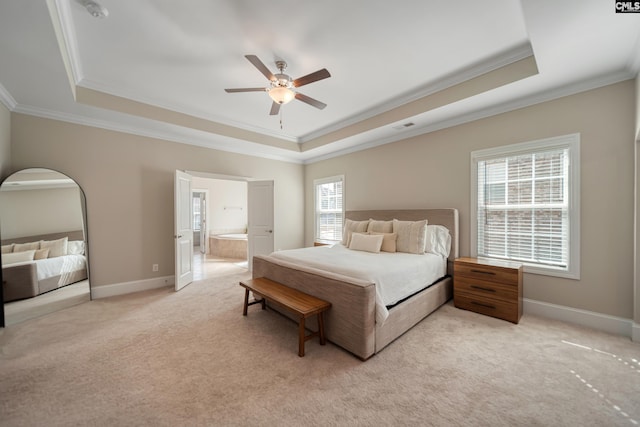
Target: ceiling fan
[281, 87]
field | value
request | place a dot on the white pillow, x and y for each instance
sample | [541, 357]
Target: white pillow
[388, 241]
[75, 247]
[56, 247]
[21, 247]
[380, 226]
[438, 240]
[366, 242]
[351, 227]
[14, 257]
[7, 249]
[412, 236]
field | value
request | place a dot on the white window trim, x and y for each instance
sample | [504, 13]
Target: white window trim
[321, 181]
[572, 142]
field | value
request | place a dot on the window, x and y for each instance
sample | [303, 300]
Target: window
[329, 206]
[196, 211]
[525, 205]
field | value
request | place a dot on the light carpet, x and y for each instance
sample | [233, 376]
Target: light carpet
[191, 359]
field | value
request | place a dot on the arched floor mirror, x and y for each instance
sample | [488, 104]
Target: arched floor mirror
[43, 233]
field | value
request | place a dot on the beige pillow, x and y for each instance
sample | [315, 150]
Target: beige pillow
[380, 226]
[366, 242]
[7, 249]
[56, 247]
[41, 254]
[388, 241]
[412, 236]
[353, 226]
[14, 257]
[21, 247]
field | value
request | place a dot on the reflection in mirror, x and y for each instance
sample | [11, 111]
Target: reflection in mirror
[44, 245]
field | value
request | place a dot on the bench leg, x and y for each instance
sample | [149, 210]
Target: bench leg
[321, 328]
[246, 302]
[301, 337]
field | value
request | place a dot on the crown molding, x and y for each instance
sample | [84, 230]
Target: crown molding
[7, 99]
[508, 57]
[211, 141]
[218, 142]
[181, 108]
[528, 101]
[61, 16]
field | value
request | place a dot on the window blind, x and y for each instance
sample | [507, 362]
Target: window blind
[523, 207]
[329, 210]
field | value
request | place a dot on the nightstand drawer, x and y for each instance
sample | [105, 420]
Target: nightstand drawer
[488, 306]
[484, 288]
[489, 273]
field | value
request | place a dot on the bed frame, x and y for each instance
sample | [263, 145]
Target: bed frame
[350, 323]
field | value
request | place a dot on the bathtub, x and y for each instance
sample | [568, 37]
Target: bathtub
[233, 245]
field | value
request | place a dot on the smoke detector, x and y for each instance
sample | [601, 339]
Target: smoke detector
[95, 9]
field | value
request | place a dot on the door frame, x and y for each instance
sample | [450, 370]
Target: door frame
[210, 175]
[206, 215]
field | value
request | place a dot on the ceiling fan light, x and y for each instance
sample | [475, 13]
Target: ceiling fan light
[281, 95]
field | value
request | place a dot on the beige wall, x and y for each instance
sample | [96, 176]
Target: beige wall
[128, 183]
[226, 205]
[33, 212]
[432, 171]
[5, 141]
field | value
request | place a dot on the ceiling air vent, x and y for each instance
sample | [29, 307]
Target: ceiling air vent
[404, 126]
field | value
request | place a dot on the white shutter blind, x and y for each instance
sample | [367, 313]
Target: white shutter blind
[523, 207]
[329, 210]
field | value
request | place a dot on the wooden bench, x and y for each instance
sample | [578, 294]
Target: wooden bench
[303, 305]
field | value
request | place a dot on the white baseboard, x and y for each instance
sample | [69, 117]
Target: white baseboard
[591, 319]
[130, 287]
[635, 335]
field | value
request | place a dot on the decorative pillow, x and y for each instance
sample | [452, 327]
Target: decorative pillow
[438, 240]
[366, 242]
[21, 247]
[353, 226]
[388, 241]
[56, 247]
[412, 236]
[14, 257]
[75, 247]
[41, 254]
[7, 249]
[380, 226]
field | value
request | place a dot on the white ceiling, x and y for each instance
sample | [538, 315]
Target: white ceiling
[390, 63]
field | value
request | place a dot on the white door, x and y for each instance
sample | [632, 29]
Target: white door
[260, 218]
[183, 230]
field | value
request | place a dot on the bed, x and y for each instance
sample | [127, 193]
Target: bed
[357, 320]
[37, 264]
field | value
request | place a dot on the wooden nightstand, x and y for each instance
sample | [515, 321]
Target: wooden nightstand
[488, 286]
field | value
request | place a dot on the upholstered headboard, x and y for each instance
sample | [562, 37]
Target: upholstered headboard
[73, 235]
[446, 217]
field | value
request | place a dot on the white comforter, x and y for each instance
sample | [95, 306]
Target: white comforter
[396, 275]
[62, 265]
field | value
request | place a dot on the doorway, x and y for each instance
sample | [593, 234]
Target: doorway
[220, 226]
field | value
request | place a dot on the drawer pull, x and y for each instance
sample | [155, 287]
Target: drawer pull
[483, 289]
[491, 273]
[483, 305]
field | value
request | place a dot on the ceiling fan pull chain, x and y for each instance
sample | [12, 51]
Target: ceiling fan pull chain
[281, 119]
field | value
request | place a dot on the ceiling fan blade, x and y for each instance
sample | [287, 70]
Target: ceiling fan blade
[260, 66]
[275, 109]
[246, 89]
[310, 78]
[310, 101]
